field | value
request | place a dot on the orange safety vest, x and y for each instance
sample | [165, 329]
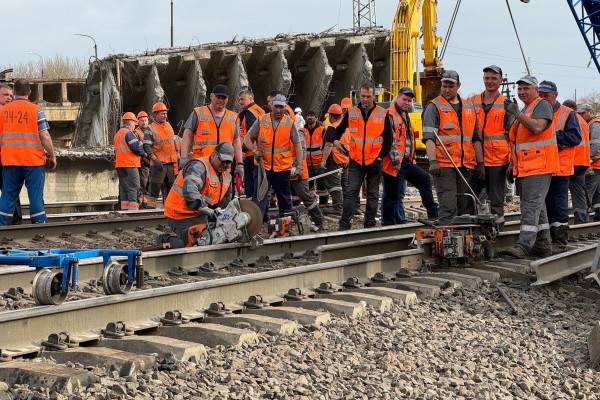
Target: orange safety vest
[164, 147]
[208, 135]
[595, 158]
[533, 154]
[19, 136]
[457, 139]
[275, 144]
[124, 157]
[258, 112]
[366, 139]
[496, 150]
[566, 157]
[338, 156]
[314, 145]
[400, 140]
[582, 150]
[214, 189]
[304, 132]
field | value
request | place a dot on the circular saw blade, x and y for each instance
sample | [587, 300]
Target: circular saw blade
[255, 224]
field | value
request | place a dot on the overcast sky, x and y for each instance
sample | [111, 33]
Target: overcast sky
[482, 34]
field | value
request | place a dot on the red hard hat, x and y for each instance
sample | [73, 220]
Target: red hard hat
[346, 102]
[159, 107]
[142, 114]
[335, 109]
[129, 116]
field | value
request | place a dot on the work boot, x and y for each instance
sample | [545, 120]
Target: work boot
[560, 239]
[515, 252]
[541, 250]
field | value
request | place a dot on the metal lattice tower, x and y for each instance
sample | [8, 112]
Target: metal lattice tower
[587, 16]
[364, 14]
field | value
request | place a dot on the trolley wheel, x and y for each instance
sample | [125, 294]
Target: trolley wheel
[116, 278]
[46, 288]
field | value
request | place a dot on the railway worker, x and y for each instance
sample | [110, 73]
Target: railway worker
[250, 113]
[210, 125]
[370, 132]
[313, 134]
[334, 157]
[568, 136]
[454, 120]
[159, 144]
[141, 131]
[26, 148]
[399, 166]
[202, 185]
[581, 164]
[534, 160]
[6, 96]
[299, 119]
[129, 151]
[493, 124]
[593, 179]
[274, 135]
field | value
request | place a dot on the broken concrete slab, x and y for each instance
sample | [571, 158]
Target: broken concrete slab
[210, 335]
[300, 315]
[402, 296]
[180, 349]
[274, 325]
[353, 310]
[55, 377]
[380, 303]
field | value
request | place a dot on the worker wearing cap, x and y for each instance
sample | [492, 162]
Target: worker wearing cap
[454, 120]
[581, 164]
[593, 179]
[334, 158]
[313, 134]
[6, 96]
[399, 166]
[202, 185]
[568, 136]
[128, 153]
[160, 146]
[26, 149]
[493, 123]
[370, 131]
[250, 113]
[210, 125]
[141, 131]
[274, 135]
[534, 159]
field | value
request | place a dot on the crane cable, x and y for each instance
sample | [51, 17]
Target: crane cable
[518, 38]
[449, 31]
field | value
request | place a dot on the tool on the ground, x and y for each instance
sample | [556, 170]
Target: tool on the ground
[52, 287]
[280, 226]
[324, 174]
[508, 300]
[262, 184]
[595, 266]
[240, 221]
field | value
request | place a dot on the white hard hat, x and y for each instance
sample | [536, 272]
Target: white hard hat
[297, 110]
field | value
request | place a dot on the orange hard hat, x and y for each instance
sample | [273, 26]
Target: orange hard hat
[159, 107]
[335, 109]
[346, 102]
[142, 114]
[129, 116]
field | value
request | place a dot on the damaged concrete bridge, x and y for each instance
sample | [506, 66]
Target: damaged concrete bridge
[313, 70]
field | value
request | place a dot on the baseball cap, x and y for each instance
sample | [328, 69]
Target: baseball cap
[528, 80]
[407, 91]
[581, 108]
[225, 151]
[450, 76]
[493, 68]
[279, 100]
[220, 90]
[547, 86]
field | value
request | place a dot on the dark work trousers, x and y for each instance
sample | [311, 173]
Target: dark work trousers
[449, 186]
[129, 187]
[592, 182]
[144, 178]
[17, 218]
[421, 180]
[13, 178]
[356, 174]
[279, 183]
[181, 226]
[318, 186]
[309, 199]
[579, 196]
[557, 202]
[333, 183]
[495, 187]
[534, 219]
[249, 180]
[389, 200]
[160, 181]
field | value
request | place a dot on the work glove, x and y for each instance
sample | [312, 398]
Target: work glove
[211, 215]
[509, 174]
[239, 171]
[157, 165]
[434, 168]
[511, 107]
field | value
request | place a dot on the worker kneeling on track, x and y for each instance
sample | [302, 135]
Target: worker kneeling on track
[202, 185]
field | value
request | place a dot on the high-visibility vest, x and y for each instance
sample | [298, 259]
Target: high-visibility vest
[124, 157]
[214, 189]
[303, 132]
[139, 132]
[595, 158]
[533, 154]
[19, 137]
[582, 150]
[208, 135]
[275, 145]
[401, 133]
[496, 149]
[457, 138]
[314, 145]
[566, 156]
[366, 138]
[164, 142]
[258, 112]
[340, 157]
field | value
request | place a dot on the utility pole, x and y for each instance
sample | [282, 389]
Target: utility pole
[93, 40]
[171, 23]
[363, 12]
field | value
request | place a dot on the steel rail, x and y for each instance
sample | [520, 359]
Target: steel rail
[564, 264]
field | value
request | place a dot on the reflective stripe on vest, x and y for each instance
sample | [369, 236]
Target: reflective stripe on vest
[366, 137]
[496, 149]
[566, 156]
[19, 136]
[124, 157]
[275, 143]
[314, 144]
[398, 143]
[582, 150]
[164, 142]
[258, 112]
[208, 134]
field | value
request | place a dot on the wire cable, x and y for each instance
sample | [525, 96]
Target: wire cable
[449, 31]
[518, 38]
